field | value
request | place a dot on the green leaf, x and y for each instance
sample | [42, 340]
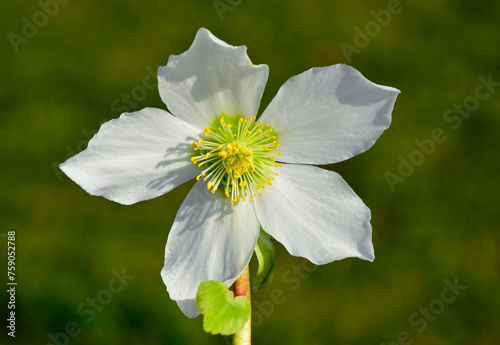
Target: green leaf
[222, 312]
[266, 255]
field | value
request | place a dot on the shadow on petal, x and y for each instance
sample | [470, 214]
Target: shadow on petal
[178, 176]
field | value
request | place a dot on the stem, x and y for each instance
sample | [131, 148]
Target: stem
[242, 288]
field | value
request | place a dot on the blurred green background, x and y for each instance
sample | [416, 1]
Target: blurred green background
[438, 225]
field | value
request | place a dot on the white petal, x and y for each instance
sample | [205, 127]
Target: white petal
[188, 307]
[211, 79]
[136, 157]
[316, 215]
[209, 240]
[329, 114]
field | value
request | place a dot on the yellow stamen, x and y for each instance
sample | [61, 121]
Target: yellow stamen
[238, 158]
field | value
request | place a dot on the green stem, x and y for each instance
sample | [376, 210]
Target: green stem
[242, 288]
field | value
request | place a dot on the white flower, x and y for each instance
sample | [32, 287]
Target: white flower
[250, 173]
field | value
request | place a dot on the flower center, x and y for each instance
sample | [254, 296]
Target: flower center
[237, 157]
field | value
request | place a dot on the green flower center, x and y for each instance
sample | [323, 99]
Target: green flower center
[237, 158]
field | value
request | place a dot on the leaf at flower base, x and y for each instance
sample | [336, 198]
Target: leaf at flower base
[222, 312]
[266, 255]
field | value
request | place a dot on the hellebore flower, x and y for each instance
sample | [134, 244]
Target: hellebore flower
[250, 172]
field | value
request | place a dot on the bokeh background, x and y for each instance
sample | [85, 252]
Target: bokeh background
[436, 224]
